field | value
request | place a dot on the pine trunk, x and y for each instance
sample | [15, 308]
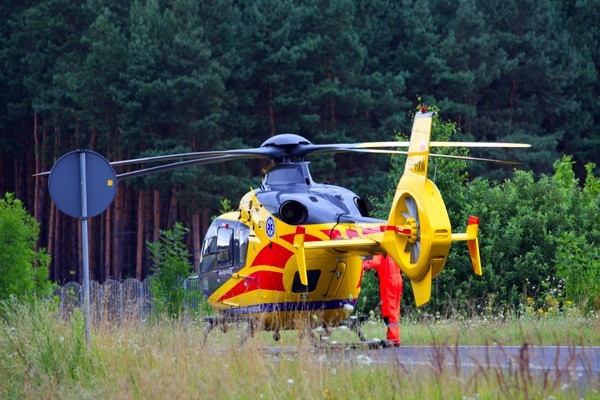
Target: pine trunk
[148, 220]
[156, 214]
[173, 207]
[118, 228]
[17, 180]
[196, 238]
[140, 237]
[51, 234]
[108, 242]
[36, 146]
[205, 219]
[272, 128]
[127, 267]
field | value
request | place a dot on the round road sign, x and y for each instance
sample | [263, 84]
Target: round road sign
[64, 183]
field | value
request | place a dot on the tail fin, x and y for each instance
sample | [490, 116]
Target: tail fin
[417, 159]
[421, 236]
[472, 242]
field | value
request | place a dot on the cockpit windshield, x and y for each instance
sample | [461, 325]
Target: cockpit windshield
[225, 245]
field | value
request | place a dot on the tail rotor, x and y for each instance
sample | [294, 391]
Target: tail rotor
[413, 241]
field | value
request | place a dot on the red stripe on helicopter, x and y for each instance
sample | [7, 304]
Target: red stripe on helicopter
[307, 238]
[403, 231]
[274, 255]
[266, 280]
[368, 231]
[332, 233]
[351, 233]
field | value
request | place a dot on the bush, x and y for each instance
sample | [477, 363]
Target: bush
[171, 268]
[23, 269]
[538, 237]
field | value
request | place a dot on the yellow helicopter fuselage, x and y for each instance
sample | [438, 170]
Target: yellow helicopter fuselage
[265, 284]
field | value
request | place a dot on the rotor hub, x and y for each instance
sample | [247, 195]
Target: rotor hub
[285, 140]
[411, 224]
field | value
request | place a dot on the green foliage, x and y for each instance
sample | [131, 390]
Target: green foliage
[538, 237]
[578, 250]
[225, 206]
[368, 301]
[578, 265]
[23, 268]
[170, 270]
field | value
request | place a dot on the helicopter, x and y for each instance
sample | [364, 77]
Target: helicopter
[293, 250]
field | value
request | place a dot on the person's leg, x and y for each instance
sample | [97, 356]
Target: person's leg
[393, 330]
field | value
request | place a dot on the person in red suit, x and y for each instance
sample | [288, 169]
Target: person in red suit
[390, 293]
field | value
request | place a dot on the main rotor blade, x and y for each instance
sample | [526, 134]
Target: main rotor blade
[302, 149]
[481, 144]
[215, 156]
[42, 173]
[259, 152]
[183, 164]
[376, 151]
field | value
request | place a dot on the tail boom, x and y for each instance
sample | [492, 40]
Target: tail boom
[418, 233]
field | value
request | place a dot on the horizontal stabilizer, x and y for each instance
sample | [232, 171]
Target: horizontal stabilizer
[346, 245]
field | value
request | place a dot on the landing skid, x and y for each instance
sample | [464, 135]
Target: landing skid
[362, 345]
[354, 323]
[224, 322]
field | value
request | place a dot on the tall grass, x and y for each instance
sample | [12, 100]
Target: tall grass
[45, 356]
[40, 353]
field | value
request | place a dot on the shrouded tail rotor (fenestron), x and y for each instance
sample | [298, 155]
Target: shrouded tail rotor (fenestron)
[413, 242]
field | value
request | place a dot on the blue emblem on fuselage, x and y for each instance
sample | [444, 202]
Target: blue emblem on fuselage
[270, 227]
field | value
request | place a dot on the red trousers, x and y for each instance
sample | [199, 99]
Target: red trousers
[390, 293]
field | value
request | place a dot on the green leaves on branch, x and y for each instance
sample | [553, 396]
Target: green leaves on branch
[171, 267]
[23, 268]
[534, 230]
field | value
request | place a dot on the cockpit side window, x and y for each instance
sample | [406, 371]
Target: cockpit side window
[243, 238]
[224, 246]
[217, 249]
[208, 258]
[362, 206]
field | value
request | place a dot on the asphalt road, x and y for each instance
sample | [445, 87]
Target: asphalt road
[568, 363]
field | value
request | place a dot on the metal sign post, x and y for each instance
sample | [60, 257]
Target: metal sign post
[84, 246]
[83, 184]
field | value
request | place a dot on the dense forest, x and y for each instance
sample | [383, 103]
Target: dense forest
[128, 79]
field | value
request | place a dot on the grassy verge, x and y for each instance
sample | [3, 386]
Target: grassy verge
[44, 356]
